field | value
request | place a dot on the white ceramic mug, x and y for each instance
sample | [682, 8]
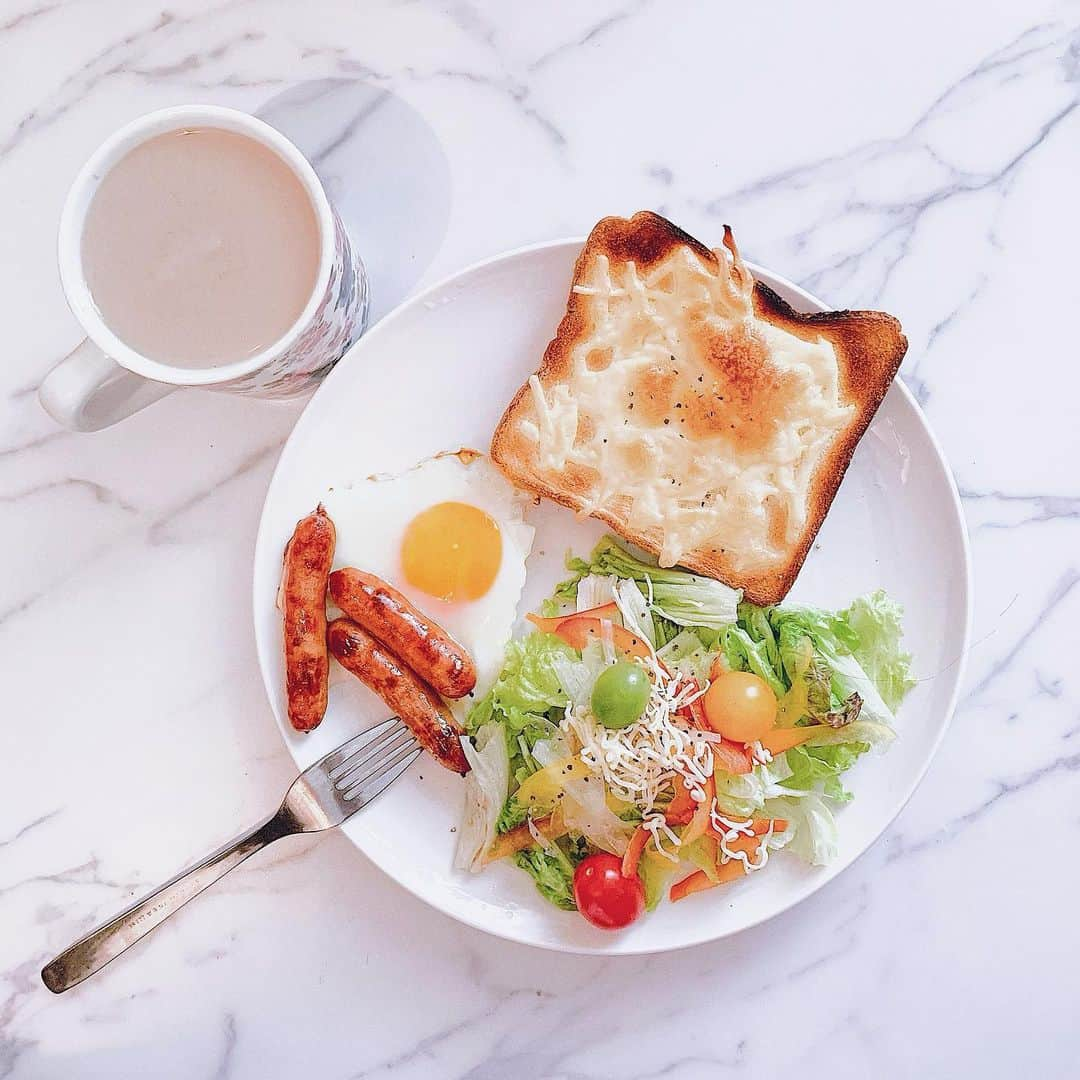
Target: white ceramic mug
[103, 380]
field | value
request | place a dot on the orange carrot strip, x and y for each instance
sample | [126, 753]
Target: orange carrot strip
[681, 809]
[760, 826]
[550, 626]
[732, 758]
[579, 630]
[700, 821]
[779, 740]
[633, 851]
[517, 839]
[699, 881]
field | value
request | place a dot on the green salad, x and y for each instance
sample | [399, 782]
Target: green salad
[653, 735]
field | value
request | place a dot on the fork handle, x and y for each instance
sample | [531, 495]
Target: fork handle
[91, 953]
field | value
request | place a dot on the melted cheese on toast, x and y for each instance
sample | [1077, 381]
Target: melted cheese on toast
[686, 416]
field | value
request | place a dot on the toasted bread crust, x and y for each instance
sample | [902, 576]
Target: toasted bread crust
[869, 347]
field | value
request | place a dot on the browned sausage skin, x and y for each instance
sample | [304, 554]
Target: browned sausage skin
[388, 616]
[403, 691]
[308, 558]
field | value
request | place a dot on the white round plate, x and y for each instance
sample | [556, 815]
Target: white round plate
[435, 375]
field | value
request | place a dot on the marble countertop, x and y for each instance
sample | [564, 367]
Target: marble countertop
[919, 157]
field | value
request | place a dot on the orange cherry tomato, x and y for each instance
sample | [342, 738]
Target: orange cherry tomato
[740, 706]
[730, 756]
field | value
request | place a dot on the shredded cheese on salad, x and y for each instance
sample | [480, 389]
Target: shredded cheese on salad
[639, 763]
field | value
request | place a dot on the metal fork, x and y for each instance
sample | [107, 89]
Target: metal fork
[322, 796]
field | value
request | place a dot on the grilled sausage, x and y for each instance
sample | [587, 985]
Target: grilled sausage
[388, 616]
[308, 557]
[403, 691]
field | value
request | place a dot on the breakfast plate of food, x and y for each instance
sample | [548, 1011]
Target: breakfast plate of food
[658, 561]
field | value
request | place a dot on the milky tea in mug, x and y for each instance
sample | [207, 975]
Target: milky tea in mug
[200, 247]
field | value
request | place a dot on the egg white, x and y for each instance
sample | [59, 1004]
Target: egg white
[371, 517]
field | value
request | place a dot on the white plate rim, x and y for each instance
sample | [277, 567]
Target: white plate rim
[808, 303]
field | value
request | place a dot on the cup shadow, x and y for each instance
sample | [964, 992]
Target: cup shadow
[384, 170]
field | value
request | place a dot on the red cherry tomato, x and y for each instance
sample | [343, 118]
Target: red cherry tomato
[604, 896]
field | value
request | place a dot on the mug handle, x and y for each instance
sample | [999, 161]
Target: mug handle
[88, 391]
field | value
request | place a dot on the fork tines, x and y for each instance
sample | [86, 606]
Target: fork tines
[368, 763]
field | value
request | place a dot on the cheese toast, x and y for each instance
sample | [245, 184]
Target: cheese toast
[692, 409]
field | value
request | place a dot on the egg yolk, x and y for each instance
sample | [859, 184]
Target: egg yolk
[452, 550]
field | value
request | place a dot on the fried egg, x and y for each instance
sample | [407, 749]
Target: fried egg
[450, 534]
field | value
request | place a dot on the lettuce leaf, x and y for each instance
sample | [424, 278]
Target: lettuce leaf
[811, 824]
[743, 653]
[702, 853]
[745, 795]
[552, 866]
[818, 768]
[529, 681]
[874, 735]
[679, 597]
[755, 621]
[875, 619]
[566, 591]
[664, 630]
[527, 697]
[553, 873]
[836, 644]
[656, 874]
[685, 654]
[511, 815]
[485, 791]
